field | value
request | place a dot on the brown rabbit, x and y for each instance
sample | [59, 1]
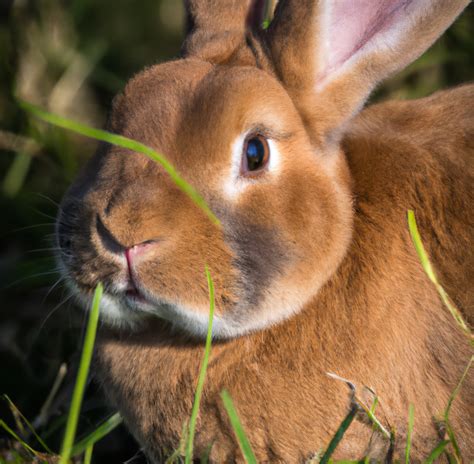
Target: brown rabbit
[314, 268]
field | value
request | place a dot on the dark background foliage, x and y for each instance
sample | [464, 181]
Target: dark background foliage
[72, 56]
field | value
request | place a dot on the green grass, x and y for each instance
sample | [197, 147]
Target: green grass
[202, 373]
[411, 424]
[242, 439]
[78, 394]
[100, 432]
[429, 270]
[124, 142]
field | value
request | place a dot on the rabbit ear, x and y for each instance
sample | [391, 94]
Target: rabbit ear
[330, 54]
[216, 28]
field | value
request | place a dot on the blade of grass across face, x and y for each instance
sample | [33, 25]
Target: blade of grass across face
[411, 422]
[87, 350]
[124, 142]
[425, 262]
[100, 432]
[244, 443]
[202, 373]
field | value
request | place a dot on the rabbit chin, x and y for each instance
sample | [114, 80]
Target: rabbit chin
[129, 314]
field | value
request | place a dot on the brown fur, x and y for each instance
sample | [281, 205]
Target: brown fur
[329, 232]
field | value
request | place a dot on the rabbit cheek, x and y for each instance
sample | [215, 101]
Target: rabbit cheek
[259, 259]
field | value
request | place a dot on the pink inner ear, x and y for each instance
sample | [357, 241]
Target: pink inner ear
[353, 23]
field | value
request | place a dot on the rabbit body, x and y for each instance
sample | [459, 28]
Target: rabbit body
[378, 321]
[313, 264]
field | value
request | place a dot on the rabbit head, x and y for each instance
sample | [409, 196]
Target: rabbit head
[253, 120]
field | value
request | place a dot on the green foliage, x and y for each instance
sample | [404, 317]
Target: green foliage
[411, 423]
[121, 141]
[345, 424]
[244, 443]
[100, 432]
[202, 373]
[78, 394]
[427, 266]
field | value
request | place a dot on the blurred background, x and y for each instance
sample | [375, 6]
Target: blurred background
[72, 57]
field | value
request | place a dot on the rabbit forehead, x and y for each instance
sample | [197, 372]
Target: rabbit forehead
[230, 103]
[181, 101]
[193, 112]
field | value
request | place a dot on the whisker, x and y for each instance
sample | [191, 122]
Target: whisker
[61, 279]
[38, 250]
[33, 226]
[42, 195]
[68, 298]
[44, 214]
[23, 279]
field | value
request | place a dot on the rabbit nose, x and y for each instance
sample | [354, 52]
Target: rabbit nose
[138, 250]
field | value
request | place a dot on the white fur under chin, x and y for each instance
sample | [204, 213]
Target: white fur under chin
[134, 316]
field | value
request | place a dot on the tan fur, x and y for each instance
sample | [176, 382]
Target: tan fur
[326, 232]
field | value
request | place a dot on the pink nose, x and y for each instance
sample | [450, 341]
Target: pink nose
[137, 250]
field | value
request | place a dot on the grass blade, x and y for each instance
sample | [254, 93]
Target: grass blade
[202, 373]
[437, 451]
[244, 443]
[44, 411]
[88, 454]
[27, 423]
[456, 390]
[16, 175]
[100, 432]
[425, 262]
[339, 434]
[86, 356]
[376, 424]
[25, 445]
[124, 142]
[449, 430]
[411, 422]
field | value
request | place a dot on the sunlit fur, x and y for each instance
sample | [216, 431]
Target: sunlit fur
[313, 265]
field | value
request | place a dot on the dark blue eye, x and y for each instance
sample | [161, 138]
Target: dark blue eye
[256, 153]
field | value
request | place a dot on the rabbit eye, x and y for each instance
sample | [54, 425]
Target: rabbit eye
[256, 153]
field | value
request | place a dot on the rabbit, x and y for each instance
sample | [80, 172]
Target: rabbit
[313, 265]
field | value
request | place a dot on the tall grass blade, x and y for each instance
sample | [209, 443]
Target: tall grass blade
[23, 443]
[458, 387]
[376, 424]
[437, 451]
[100, 432]
[425, 262]
[339, 434]
[86, 356]
[202, 373]
[454, 394]
[16, 174]
[124, 142]
[454, 443]
[88, 454]
[44, 411]
[411, 422]
[244, 443]
[27, 423]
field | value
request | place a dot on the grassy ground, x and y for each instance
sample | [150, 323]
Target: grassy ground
[72, 57]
